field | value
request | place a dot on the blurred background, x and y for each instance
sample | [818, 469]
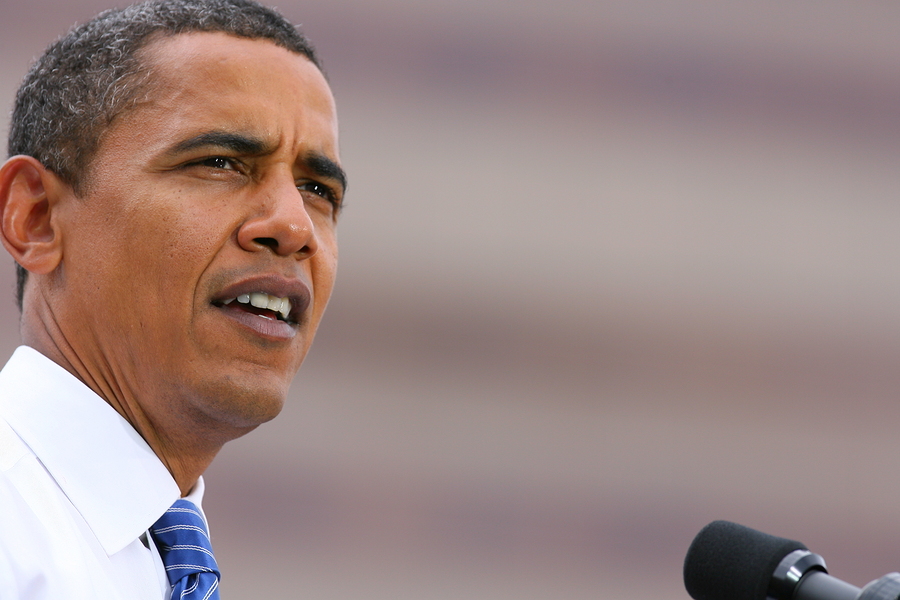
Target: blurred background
[610, 271]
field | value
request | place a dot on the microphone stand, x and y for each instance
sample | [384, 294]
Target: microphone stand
[801, 575]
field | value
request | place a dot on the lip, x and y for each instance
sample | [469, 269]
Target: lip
[296, 290]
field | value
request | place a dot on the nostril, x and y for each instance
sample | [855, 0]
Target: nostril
[268, 242]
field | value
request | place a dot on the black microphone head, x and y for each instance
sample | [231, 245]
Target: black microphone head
[727, 561]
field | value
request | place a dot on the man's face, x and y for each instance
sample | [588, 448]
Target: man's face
[208, 208]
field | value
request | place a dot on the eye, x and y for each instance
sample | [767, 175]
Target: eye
[321, 190]
[218, 162]
[215, 163]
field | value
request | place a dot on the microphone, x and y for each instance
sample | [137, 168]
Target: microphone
[727, 561]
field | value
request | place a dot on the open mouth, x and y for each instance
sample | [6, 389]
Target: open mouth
[261, 304]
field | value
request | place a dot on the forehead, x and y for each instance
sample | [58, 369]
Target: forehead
[206, 53]
[204, 81]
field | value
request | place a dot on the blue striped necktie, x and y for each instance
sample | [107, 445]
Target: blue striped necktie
[183, 541]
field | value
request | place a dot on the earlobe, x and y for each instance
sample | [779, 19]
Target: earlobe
[28, 196]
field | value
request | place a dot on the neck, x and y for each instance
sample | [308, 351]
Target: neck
[186, 441]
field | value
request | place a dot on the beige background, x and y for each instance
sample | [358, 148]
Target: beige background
[610, 270]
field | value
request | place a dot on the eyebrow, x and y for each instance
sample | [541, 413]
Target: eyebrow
[323, 166]
[232, 141]
[318, 163]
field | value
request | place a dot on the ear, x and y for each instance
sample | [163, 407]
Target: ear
[29, 192]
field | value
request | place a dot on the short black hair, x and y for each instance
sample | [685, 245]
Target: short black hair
[86, 79]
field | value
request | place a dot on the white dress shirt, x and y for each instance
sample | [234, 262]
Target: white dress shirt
[79, 488]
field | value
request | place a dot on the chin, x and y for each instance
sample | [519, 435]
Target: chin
[241, 407]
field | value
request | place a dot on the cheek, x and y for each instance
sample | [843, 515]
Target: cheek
[323, 268]
[152, 255]
[176, 227]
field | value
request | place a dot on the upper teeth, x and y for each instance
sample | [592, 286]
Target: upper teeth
[263, 300]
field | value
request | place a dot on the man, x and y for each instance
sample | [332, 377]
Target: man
[170, 201]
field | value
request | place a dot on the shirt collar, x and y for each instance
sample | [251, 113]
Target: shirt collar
[108, 472]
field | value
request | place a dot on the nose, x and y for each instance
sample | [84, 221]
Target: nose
[283, 225]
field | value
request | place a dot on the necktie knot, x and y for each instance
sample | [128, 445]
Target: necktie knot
[183, 541]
